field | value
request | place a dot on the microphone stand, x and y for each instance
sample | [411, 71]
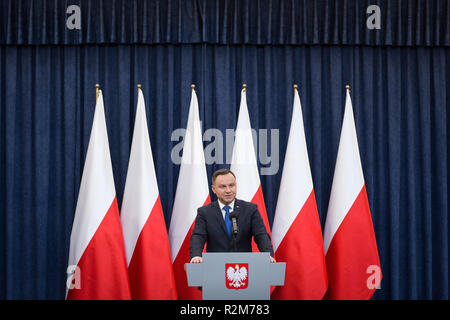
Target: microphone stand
[235, 230]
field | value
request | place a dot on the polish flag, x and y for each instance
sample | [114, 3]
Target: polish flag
[97, 263]
[351, 252]
[146, 240]
[244, 165]
[297, 235]
[192, 192]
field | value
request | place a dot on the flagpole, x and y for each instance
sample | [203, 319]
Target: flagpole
[347, 87]
[295, 87]
[244, 87]
[193, 87]
[97, 90]
[139, 86]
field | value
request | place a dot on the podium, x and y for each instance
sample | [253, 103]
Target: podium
[235, 275]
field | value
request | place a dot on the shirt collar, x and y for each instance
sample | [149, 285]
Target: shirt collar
[231, 205]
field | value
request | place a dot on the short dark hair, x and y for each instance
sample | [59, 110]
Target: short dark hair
[221, 172]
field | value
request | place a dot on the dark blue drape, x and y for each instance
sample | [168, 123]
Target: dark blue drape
[399, 77]
[338, 22]
[400, 101]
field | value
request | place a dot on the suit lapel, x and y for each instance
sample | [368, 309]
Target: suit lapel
[219, 217]
[237, 208]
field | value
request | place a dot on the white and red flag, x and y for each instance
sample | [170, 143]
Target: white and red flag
[297, 235]
[97, 253]
[192, 192]
[349, 239]
[146, 240]
[244, 165]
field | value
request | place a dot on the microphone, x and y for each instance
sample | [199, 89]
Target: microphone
[233, 219]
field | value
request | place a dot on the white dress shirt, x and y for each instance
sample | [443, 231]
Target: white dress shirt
[221, 205]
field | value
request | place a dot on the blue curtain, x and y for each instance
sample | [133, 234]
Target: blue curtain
[399, 77]
[263, 22]
[400, 102]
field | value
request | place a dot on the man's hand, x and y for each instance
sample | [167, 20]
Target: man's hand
[196, 260]
[272, 260]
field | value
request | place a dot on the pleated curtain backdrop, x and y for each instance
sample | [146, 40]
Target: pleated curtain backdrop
[400, 99]
[261, 22]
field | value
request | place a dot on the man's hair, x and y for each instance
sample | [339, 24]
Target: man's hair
[221, 172]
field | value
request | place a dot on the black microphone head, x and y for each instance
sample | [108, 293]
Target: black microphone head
[233, 219]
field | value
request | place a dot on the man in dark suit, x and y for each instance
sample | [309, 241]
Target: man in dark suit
[214, 226]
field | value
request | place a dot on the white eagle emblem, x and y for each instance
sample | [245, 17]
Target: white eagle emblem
[237, 276]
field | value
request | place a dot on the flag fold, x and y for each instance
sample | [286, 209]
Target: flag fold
[245, 167]
[97, 253]
[192, 192]
[351, 253]
[297, 235]
[146, 239]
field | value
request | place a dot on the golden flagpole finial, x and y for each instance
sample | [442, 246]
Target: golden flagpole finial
[295, 86]
[97, 91]
[193, 86]
[139, 86]
[347, 87]
[244, 87]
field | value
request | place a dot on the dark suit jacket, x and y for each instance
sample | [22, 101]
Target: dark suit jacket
[210, 228]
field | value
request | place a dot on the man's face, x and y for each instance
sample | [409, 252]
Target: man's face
[225, 188]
